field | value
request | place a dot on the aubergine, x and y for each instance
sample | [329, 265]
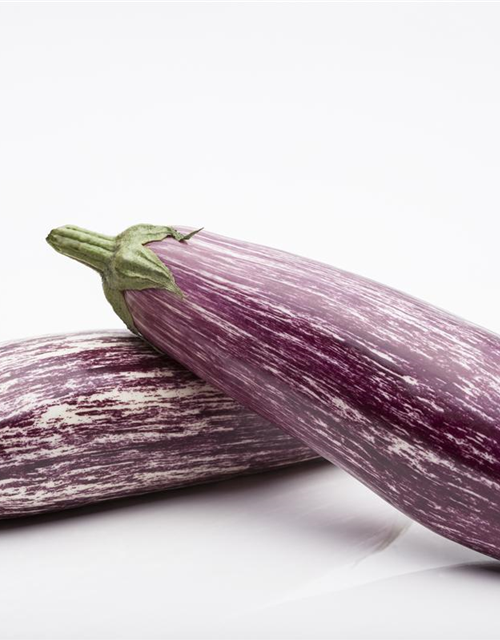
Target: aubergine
[401, 394]
[88, 417]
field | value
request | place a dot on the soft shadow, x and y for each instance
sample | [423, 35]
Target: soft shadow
[290, 499]
[238, 485]
[295, 500]
[487, 568]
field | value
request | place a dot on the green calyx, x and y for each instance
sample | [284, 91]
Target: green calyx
[123, 261]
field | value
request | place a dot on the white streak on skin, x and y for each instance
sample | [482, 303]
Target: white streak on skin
[371, 378]
[89, 417]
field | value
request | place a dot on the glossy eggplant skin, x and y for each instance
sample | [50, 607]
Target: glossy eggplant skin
[403, 395]
[93, 416]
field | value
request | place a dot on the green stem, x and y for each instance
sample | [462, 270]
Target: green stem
[123, 261]
[93, 249]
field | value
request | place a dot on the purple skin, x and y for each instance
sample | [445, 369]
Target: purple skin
[399, 393]
[92, 416]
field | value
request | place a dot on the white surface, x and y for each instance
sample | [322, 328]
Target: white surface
[364, 135]
[303, 553]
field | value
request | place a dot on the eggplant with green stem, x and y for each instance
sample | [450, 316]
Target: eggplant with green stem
[401, 394]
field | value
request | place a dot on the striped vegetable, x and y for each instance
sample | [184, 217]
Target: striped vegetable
[402, 395]
[92, 416]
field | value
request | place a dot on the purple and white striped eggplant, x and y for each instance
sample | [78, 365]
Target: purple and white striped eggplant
[92, 416]
[399, 393]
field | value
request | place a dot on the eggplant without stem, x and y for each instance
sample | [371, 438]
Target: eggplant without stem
[92, 416]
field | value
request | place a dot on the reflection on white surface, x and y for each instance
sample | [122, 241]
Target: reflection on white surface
[304, 552]
[448, 602]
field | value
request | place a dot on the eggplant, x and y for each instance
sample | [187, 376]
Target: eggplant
[88, 417]
[401, 394]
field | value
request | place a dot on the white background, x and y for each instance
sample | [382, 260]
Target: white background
[366, 135]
